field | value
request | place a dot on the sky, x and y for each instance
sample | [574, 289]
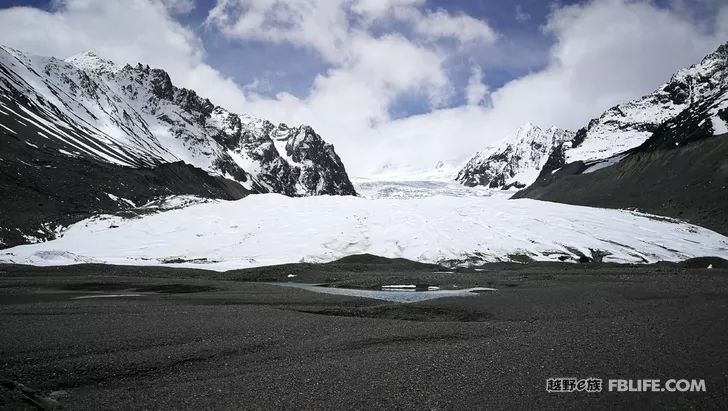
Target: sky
[395, 85]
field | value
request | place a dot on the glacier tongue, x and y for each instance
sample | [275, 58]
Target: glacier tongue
[273, 229]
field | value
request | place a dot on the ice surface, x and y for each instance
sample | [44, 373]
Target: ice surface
[87, 297]
[273, 229]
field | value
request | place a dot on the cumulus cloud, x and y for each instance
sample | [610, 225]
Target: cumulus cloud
[328, 26]
[375, 9]
[460, 27]
[606, 52]
[126, 31]
[356, 95]
[320, 25]
[380, 51]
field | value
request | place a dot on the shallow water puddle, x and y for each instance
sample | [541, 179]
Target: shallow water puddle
[394, 293]
[86, 297]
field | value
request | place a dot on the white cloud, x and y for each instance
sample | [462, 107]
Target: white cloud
[476, 90]
[126, 31]
[320, 25]
[347, 101]
[396, 65]
[461, 27]
[427, 24]
[329, 26]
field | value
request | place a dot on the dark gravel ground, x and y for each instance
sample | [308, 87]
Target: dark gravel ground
[205, 340]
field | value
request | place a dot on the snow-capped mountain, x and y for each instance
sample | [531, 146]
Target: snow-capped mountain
[516, 161]
[664, 153]
[87, 136]
[133, 116]
[628, 125]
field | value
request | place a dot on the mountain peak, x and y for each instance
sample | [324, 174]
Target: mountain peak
[528, 126]
[628, 125]
[720, 52]
[517, 161]
[90, 60]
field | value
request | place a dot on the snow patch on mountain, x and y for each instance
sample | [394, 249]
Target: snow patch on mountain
[719, 126]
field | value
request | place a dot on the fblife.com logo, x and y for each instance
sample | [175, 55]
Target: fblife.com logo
[592, 385]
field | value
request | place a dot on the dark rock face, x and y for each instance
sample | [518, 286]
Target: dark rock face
[556, 160]
[322, 170]
[680, 171]
[678, 92]
[581, 135]
[693, 124]
[162, 85]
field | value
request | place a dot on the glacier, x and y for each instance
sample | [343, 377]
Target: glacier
[268, 229]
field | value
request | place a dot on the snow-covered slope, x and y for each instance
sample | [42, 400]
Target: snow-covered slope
[234, 234]
[516, 161]
[134, 116]
[628, 125]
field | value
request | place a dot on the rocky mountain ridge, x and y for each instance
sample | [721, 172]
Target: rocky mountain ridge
[86, 136]
[134, 116]
[627, 126]
[516, 161]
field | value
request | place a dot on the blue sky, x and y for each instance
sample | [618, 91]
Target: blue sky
[499, 14]
[525, 36]
[285, 67]
[392, 83]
